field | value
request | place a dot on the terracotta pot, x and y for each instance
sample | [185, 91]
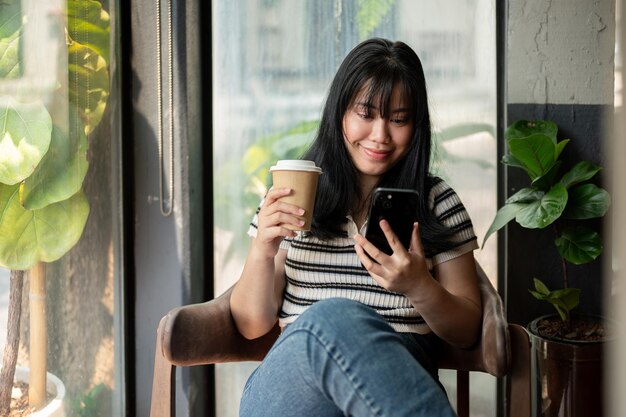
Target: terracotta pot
[54, 386]
[566, 376]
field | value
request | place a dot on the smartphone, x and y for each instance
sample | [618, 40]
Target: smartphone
[397, 206]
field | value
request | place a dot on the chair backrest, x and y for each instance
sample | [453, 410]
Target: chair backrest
[205, 333]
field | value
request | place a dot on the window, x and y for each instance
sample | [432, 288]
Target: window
[273, 62]
[60, 198]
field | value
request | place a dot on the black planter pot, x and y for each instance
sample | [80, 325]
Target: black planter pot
[566, 376]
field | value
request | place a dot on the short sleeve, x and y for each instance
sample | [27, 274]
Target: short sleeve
[450, 211]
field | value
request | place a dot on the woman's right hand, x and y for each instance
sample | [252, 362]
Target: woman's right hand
[273, 216]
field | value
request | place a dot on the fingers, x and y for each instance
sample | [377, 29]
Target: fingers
[275, 212]
[416, 242]
[368, 255]
[392, 238]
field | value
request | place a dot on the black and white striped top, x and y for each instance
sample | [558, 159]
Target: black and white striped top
[317, 269]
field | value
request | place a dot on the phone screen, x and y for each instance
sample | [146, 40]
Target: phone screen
[399, 208]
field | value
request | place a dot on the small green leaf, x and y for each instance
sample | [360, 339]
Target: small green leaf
[579, 245]
[503, 216]
[581, 172]
[536, 152]
[568, 297]
[25, 132]
[541, 287]
[587, 201]
[545, 211]
[559, 148]
[563, 300]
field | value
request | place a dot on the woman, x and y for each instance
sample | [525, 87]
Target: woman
[360, 327]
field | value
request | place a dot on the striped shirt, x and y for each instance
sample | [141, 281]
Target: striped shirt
[319, 269]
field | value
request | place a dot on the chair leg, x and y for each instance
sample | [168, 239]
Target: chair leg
[163, 400]
[518, 378]
[462, 393]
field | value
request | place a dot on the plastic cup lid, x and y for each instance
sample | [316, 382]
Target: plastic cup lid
[296, 165]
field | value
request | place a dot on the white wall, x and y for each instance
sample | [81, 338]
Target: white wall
[540, 71]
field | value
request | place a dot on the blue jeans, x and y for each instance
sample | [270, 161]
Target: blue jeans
[341, 358]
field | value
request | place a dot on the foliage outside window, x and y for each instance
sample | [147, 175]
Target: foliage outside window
[55, 196]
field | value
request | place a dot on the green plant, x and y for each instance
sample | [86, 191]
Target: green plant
[88, 404]
[563, 202]
[43, 150]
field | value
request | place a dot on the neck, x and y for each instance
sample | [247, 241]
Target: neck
[359, 213]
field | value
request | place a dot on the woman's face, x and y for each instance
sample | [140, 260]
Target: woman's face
[375, 143]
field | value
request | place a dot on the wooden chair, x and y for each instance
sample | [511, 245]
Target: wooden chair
[205, 333]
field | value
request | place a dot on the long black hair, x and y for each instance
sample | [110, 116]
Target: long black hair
[376, 65]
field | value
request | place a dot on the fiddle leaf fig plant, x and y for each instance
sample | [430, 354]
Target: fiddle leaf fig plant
[556, 197]
[43, 159]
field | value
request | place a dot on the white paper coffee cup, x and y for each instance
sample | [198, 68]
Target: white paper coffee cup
[301, 177]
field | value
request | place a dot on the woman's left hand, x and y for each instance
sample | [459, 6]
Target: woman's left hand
[404, 271]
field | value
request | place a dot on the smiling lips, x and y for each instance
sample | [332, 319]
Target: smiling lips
[376, 154]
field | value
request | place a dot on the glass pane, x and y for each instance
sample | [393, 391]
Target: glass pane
[60, 202]
[273, 62]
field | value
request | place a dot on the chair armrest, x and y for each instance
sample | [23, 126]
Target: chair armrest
[492, 353]
[205, 333]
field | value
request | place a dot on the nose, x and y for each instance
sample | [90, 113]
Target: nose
[380, 130]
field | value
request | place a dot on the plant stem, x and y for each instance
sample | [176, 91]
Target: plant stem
[38, 337]
[9, 358]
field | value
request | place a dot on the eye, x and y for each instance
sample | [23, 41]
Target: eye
[364, 112]
[399, 119]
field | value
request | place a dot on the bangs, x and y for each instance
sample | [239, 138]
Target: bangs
[377, 91]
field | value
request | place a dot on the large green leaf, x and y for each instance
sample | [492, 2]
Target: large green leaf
[88, 84]
[25, 132]
[512, 161]
[88, 24]
[10, 35]
[525, 128]
[581, 172]
[544, 211]
[61, 172]
[579, 245]
[536, 152]
[30, 236]
[587, 201]
[504, 215]
[526, 195]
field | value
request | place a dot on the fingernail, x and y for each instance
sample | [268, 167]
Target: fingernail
[301, 211]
